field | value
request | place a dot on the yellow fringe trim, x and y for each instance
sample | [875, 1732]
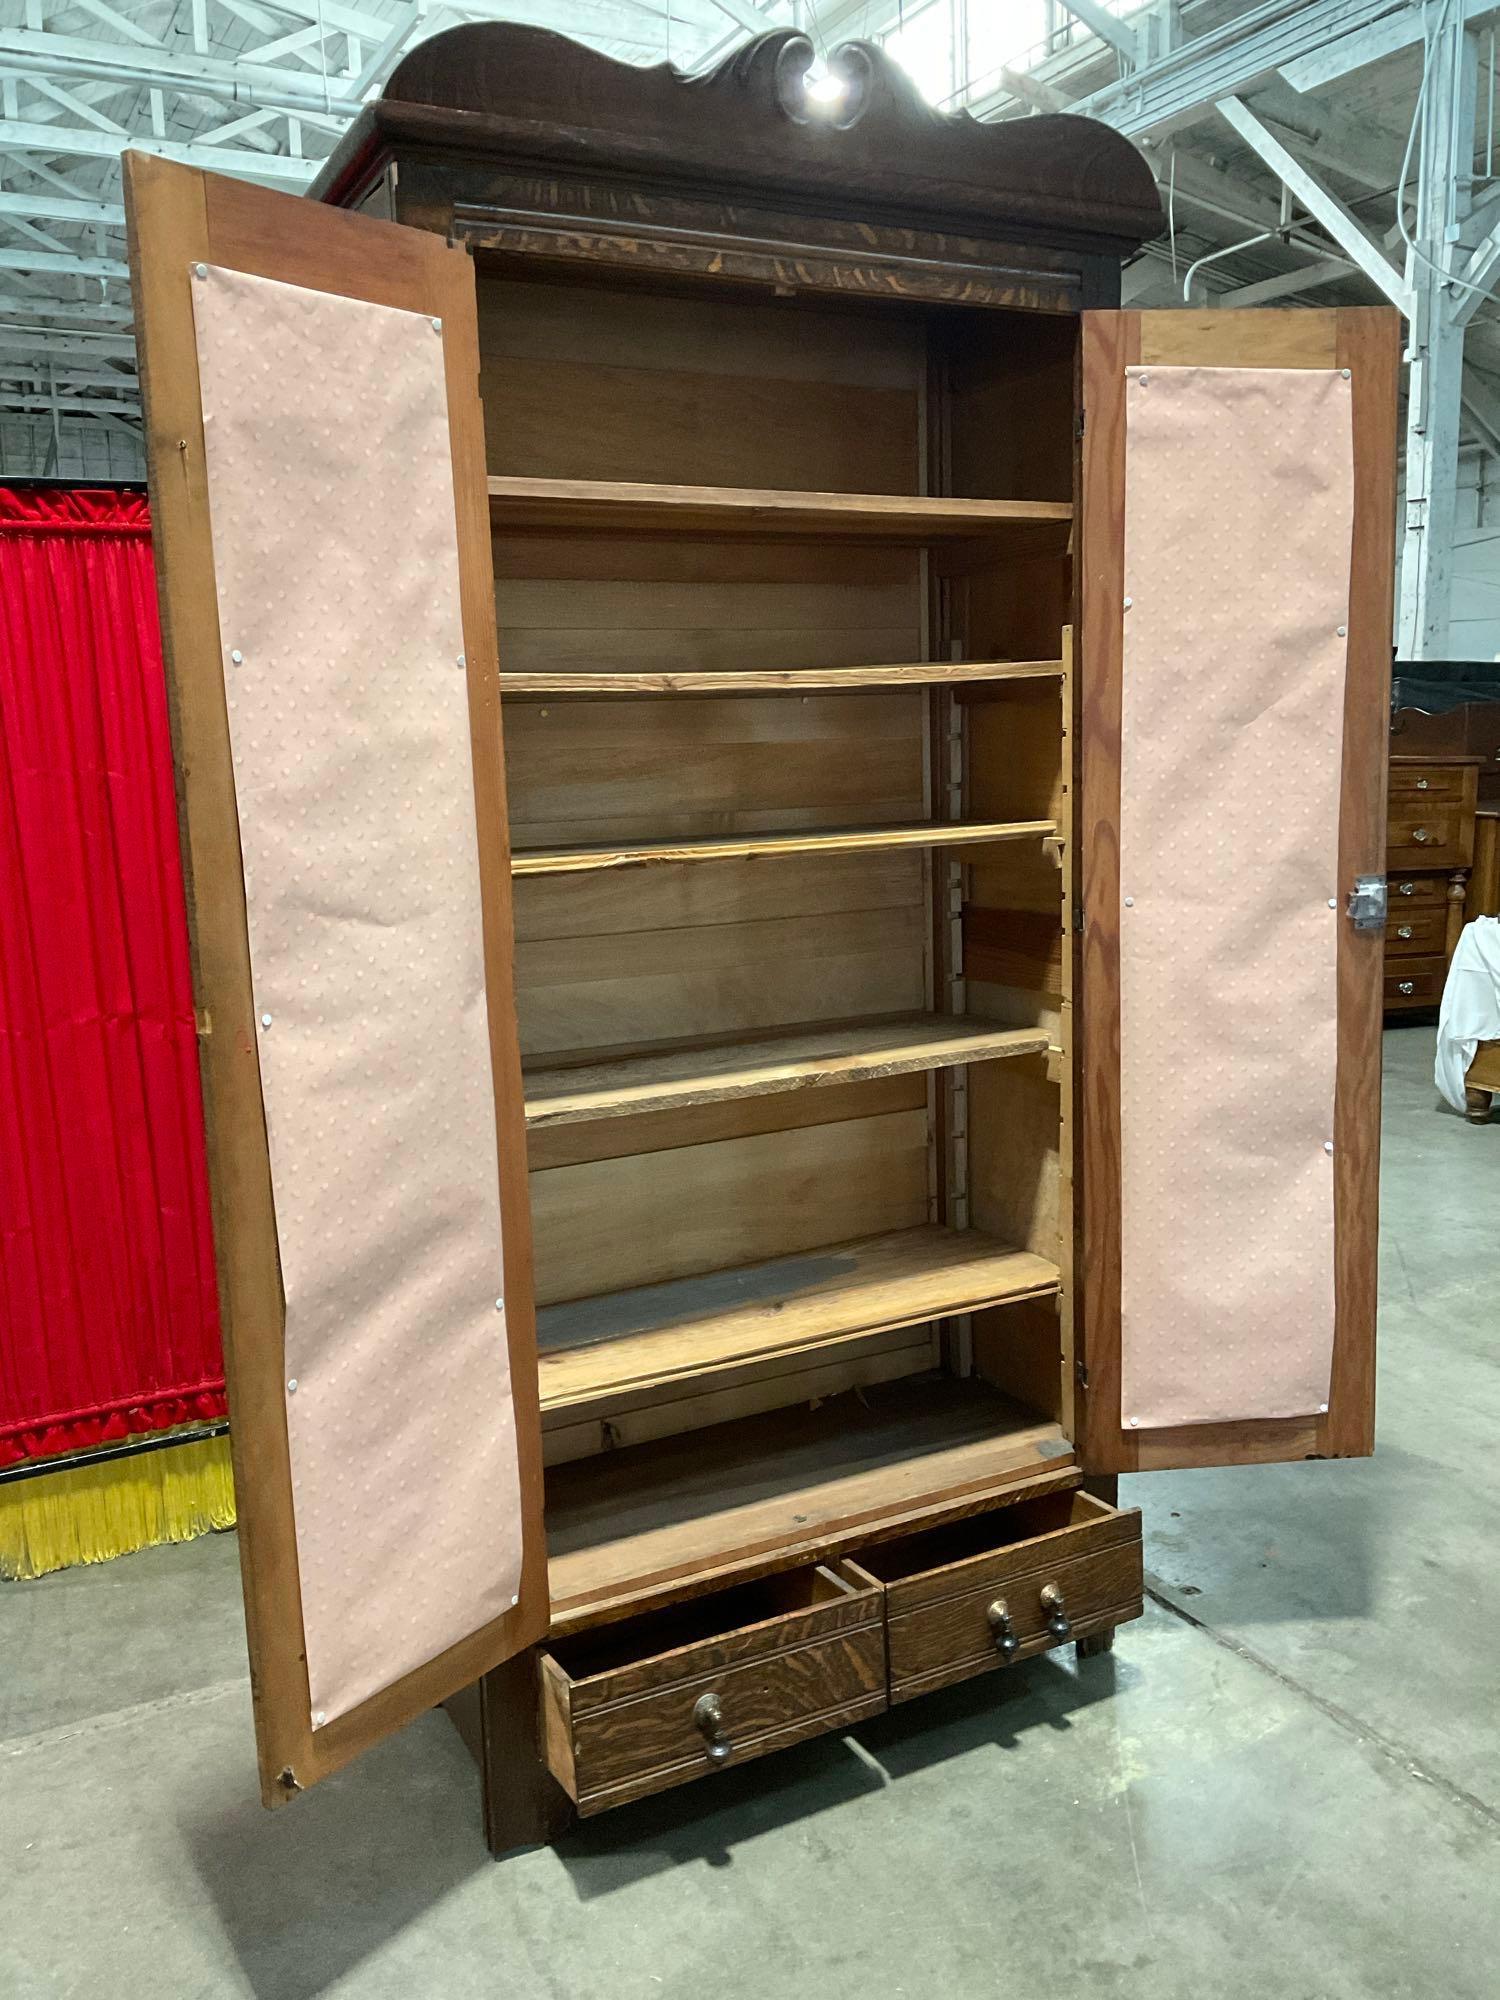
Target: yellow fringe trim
[90, 1514]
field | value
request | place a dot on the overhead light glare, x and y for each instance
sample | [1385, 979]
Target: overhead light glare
[823, 87]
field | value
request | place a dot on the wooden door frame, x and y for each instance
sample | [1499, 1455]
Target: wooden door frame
[1366, 341]
[178, 217]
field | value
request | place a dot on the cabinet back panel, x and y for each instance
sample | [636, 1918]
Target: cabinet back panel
[1011, 389]
[719, 979]
[683, 895]
[634, 1220]
[607, 604]
[642, 769]
[593, 384]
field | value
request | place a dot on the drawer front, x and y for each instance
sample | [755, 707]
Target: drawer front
[1080, 1573]
[1419, 835]
[1416, 892]
[959, 1636]
[1415, 982]
[657, 1721]
[1417, 932]
[1427, 781]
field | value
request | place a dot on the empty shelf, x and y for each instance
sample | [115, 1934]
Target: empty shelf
[629, 1341]
[802, 1059]
[751, 846]
[689, 1514]
[780, 680]
[631, 507]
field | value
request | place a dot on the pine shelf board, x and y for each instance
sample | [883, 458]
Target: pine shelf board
[629, 1342]
[838, 1052]
[756, 846]
[654, 1523]
[777, 680]
[634, 507]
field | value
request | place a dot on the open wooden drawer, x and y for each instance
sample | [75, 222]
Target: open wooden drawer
[998, 1587]
[632, 1708]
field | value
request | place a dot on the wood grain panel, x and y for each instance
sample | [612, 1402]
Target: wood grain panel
[624, 764]
[623, 1729]
[939, 1585]
[675, 898]
[720, 429]
[718, 979]
[617, 1223]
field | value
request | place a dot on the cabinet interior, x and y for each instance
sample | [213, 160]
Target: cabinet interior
[797, 1059]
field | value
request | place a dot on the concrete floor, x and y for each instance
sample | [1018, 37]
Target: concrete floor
[1286, 1781]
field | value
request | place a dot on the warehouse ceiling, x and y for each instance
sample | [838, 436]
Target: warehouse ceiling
[263, 88]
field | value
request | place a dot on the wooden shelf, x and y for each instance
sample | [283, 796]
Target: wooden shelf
[779, 680]
[636, 1340]
[753, 846]
[795, 1059]
[630, 507]
[659, 1522]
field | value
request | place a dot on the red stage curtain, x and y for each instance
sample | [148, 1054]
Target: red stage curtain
[107, 1296]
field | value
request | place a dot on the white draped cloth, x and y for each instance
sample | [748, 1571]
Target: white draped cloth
[1471, 1006]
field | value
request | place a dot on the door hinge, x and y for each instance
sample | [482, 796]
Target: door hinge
[1078, 916]
[1082, 1374]
[1082, 424]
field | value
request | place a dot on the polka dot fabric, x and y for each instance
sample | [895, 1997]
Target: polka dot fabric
[1238, 527]
[335, 546]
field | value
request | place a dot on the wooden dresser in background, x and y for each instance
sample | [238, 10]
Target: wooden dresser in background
[1429, 854]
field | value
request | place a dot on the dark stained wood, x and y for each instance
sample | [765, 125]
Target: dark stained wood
[940, 1586]
[524, 1806]
[788, 1658]
[1366, 340]
[522, 93]
[178, 217]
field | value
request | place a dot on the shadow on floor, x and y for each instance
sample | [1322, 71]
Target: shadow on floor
[308, 1892]
[705, 1821]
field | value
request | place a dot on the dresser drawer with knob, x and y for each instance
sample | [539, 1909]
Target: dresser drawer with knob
[1414, 982]
[1431, 781]
[1422, 835]
[999, 1587]
[1416, 932]
[1415, 892]
[633, 1708]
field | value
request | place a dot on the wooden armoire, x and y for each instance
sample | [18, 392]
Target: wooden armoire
[783, 813]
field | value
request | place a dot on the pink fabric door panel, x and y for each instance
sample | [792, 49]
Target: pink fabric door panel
[1238, 523]
[336, 553]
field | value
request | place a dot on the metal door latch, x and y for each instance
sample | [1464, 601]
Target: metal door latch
[1367, 903]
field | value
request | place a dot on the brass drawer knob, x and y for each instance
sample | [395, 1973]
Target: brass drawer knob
[708, 1720]
[1421, 784]
[1058, 1623]
[1405, 986]
[1403, 930]
[1406, 889]
[1420, 835]
[1006, 1642]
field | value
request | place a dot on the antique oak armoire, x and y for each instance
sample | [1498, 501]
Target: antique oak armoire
[774, 799]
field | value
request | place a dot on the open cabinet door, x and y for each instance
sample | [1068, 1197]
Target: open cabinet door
[310, 381]
[1237, 548]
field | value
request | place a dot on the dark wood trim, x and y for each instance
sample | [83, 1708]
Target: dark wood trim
[501, 91]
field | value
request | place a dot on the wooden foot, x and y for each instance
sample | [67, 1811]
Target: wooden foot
[1095, 1644]
[1477, 1104]
[524, 1806]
